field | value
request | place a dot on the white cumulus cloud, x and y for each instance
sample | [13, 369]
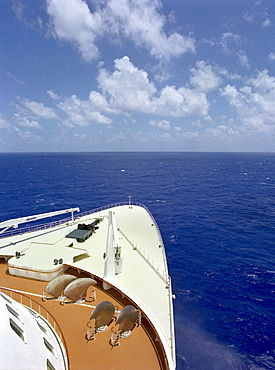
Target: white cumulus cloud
[228, 41]
[38, 109]
[138, 21]
[180, 102]
[128, 90]
[125, 91]
[204, 77]
[24, 121]
[142, 22]
[81, 112]
[72, 21]
[30, 113]
[52, 95]
[243, 59]
[163, 124]
[254, 102]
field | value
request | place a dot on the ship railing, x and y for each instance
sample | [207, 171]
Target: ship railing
[171, 321]
[145, 256]
[37, 309]
[68, 220]
[28, 229]
[64, 221]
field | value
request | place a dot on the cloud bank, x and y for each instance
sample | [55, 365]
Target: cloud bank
[127, 91]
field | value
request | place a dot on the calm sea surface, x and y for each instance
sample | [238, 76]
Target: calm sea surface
[216, 213]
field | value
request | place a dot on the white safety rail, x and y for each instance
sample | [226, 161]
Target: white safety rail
[25, 299]
[5, 225]
[145, 256]
[22, 230]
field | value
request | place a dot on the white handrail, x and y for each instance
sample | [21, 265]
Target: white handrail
[64, 221]
[147, 259]
[48, 225]
[22, 220]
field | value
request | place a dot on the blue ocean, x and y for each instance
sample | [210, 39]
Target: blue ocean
[216, 213]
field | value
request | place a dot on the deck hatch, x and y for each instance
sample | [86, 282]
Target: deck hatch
[79, 235]
[83, 231]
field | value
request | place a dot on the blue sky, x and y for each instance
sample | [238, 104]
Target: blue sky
[137, 75]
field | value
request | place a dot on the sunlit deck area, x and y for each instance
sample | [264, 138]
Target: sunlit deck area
[135, 352]
[139, 277]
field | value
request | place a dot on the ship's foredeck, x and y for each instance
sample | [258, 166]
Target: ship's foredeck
[142, 280]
